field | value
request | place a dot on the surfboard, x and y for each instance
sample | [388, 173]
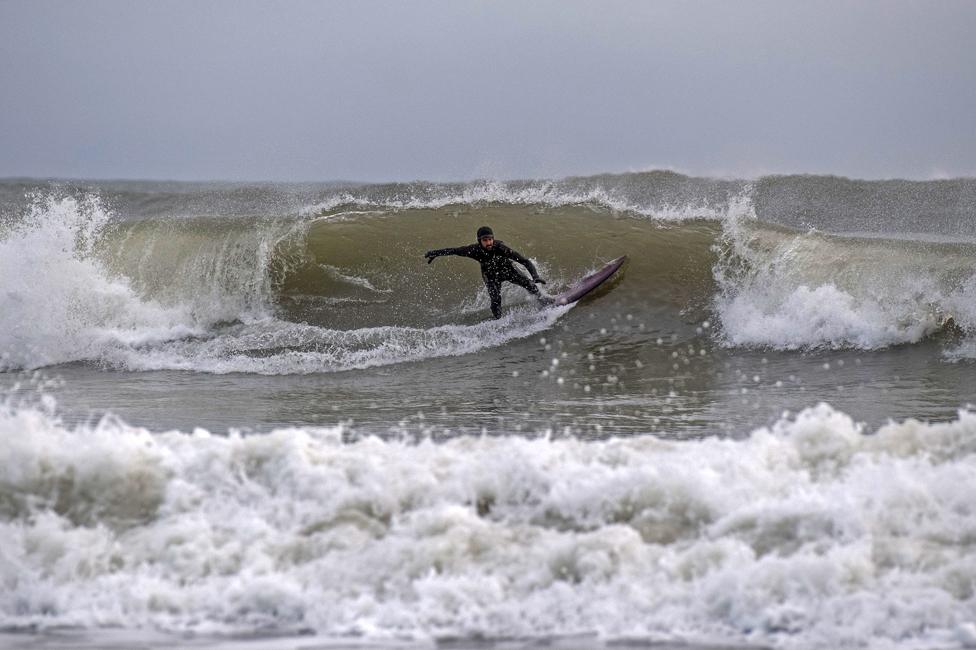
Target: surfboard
[590, 282]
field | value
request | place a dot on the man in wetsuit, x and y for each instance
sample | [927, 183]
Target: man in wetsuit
[496, 267]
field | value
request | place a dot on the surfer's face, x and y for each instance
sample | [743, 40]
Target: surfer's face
[487, 242]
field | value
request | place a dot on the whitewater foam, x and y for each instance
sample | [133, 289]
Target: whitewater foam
[58, 303]
[275, 347]
[806, 534]
[793, 290]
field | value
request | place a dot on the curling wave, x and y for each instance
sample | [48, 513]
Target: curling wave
[323, 278]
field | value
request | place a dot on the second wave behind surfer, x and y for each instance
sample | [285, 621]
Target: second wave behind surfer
[496, 259]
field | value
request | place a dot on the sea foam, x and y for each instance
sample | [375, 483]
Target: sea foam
[808, 533]
[790, 290]
[58, 302]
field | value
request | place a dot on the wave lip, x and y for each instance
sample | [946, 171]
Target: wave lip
[661, 195]
[805, 534]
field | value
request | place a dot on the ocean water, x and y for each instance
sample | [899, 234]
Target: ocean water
[252, 415]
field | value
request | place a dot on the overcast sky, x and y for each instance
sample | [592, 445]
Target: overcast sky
[455, 90]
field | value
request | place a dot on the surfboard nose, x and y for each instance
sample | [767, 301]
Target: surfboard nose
[590, 282]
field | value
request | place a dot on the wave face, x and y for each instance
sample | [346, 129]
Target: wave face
[324, 278]
[808, 533]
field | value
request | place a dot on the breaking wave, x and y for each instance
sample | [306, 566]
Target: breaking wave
[321, 279]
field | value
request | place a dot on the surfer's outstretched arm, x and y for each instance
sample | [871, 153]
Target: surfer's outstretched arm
[463, 251]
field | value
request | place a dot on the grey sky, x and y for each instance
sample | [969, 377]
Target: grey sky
[455, 90]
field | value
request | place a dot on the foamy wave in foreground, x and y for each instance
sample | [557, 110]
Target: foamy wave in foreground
[805, 534]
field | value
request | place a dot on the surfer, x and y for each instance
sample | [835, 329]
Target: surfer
[496, 267]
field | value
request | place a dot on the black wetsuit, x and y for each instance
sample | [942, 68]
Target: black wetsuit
[496, 267]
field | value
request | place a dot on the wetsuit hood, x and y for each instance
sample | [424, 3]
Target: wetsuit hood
[485, 231]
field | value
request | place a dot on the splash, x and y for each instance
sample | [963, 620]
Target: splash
[786, 289]
[58, 302]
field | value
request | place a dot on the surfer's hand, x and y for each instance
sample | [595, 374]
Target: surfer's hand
[539, 281]
[429, 256]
